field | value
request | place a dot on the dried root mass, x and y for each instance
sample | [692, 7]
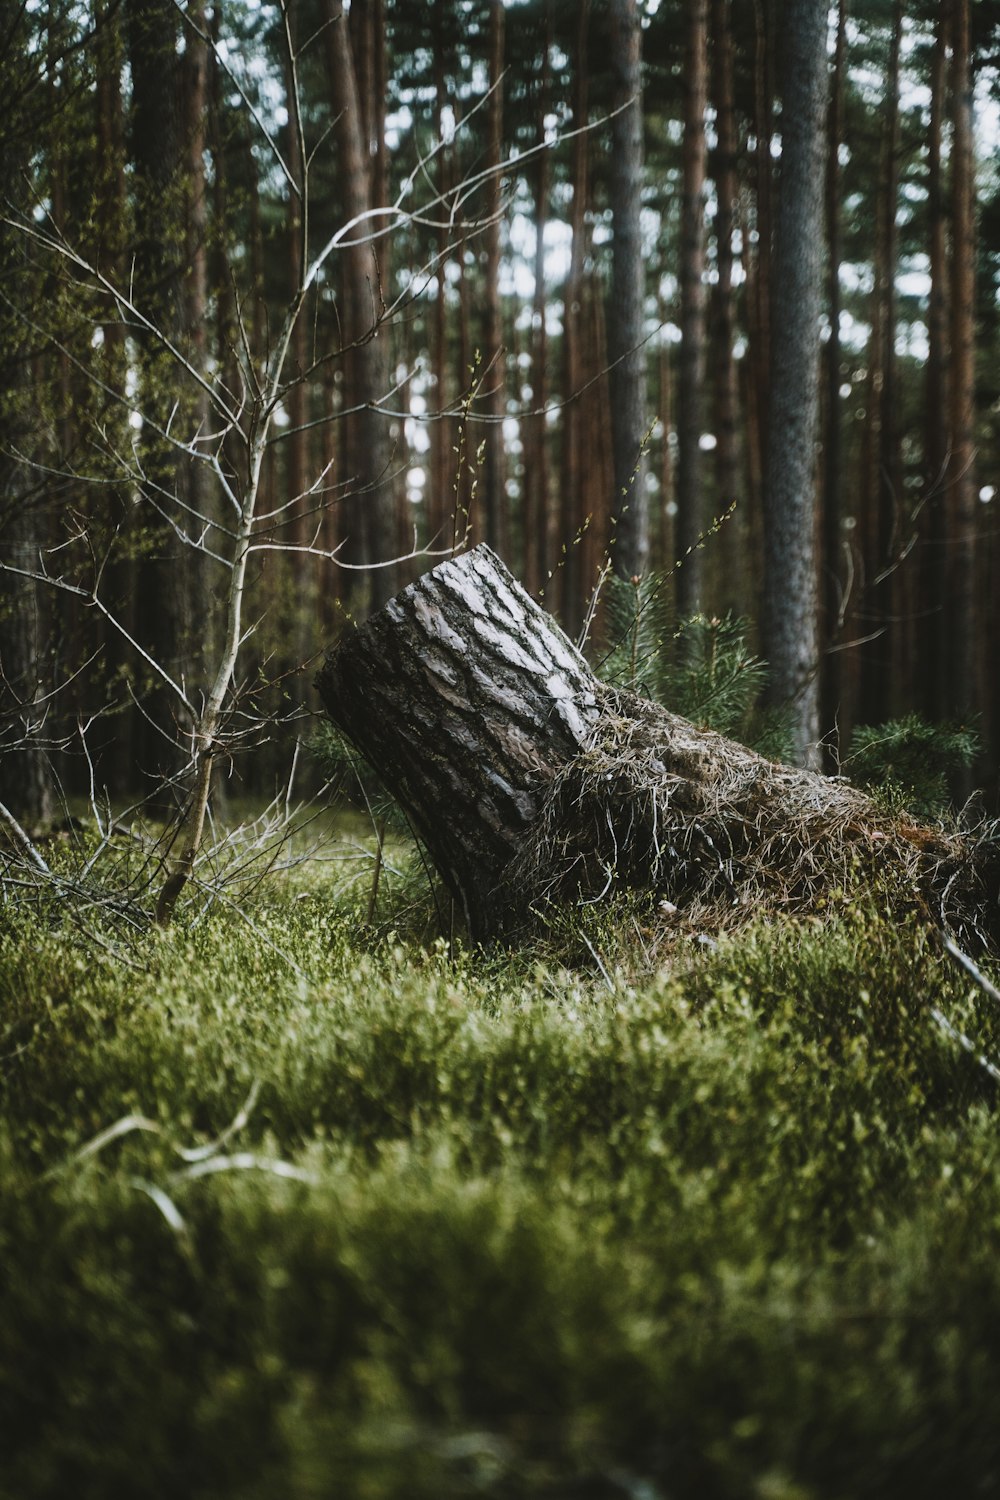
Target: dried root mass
[720, 834]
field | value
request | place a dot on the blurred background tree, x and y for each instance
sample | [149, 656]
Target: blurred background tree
[482, 361]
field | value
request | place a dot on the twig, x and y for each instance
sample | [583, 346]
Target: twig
[973, 969]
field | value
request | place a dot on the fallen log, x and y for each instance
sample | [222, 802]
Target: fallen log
[529, 781]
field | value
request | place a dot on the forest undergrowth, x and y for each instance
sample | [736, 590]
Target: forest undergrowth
[309, 1206]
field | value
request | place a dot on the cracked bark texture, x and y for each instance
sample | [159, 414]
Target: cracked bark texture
[468, 700]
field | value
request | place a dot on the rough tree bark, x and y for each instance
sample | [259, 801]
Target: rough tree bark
[963, 547]
[364, 314]
[529, 780]
[791, 573]
[692, 514]
[495, 358]
[629, 418]
[466, 697]
[833, 601]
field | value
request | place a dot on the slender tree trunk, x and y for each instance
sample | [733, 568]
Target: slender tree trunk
[895, 516]
[692, 511]
[791, 639]
[758, 232]
[165, 603]
[25, 665]
[466, 525]
[881, 476]
[626, 331]
[295, 444]
[964, 591]
[494, 466]
[595, 541]
[572, 505]
[365, 310]
[736, 534]
[440, 497]
[934, 634]
[834, 581]
[119, 759]
[297, 572]
[536, 478]
[195, 490]
[668, 505]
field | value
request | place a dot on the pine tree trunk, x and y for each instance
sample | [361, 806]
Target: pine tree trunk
[882, 482]
[536, 478]
[165, 595]
[467, 698]
[495, 358]
[691, 508]
[833, 602]
[572, 468]
[118, 761]
[791, 580]
[368, 336]
[964, 586]
[735, 539]
[758, 228]
[440, 496]
[626, 332]
[933, 634]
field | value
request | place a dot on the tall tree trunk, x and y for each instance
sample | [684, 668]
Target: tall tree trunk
[193, 481]
[626, 330]
[791, 584]
[440, 499]
[536, 477]
[668, 505]
[165, 611]
[111, 222]
[735, 538]
[572, 505]
[692, 512]
[595, 541]
[494, 466]
[758, 230]
[299, 591]
[368, 335]
[834, 582]
[295, 444]
[934, 634]
[881, 477]
[26, 788]
[964, 589]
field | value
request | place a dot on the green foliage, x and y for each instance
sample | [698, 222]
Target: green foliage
[352, 779]
[700, 668]
[909, 762]
[493, 1225]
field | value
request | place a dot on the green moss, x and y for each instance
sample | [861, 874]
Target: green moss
[496, 1224]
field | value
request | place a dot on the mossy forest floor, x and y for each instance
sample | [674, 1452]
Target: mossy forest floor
[590, 1219]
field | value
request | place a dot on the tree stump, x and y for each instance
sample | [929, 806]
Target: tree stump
[467, 699]
[529, 781]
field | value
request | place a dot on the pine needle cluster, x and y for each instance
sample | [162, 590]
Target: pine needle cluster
[910, 762]
[701, 667]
